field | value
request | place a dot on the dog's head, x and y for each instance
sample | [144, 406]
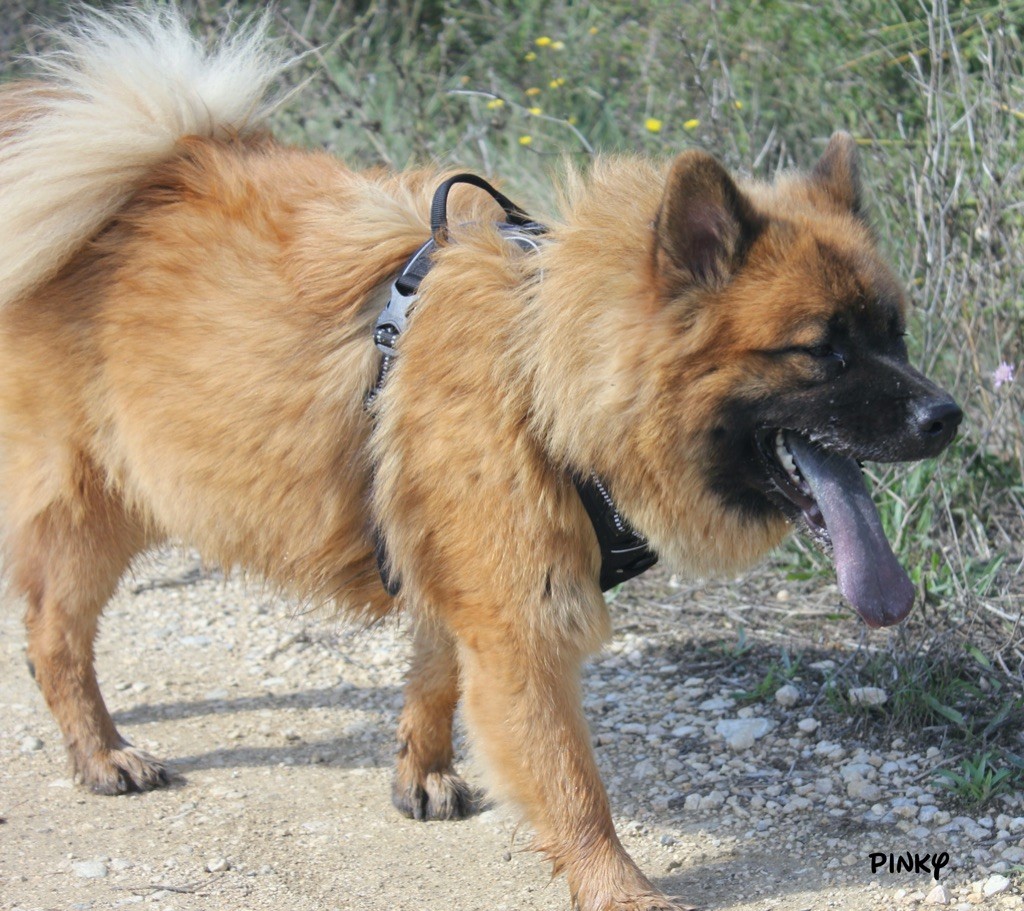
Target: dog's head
[799, 329]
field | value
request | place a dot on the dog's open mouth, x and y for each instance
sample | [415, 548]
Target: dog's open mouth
[828, 490]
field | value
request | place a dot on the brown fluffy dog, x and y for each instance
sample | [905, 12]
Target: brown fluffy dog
[186, 340]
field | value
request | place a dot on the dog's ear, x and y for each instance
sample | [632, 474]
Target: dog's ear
[837, 173]
[704, 226]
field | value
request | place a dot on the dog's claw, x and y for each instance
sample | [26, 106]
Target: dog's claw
[123, 771]
[441, 795]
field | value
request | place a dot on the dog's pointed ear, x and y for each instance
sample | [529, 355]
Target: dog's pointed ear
[837, 173]
[704, 226]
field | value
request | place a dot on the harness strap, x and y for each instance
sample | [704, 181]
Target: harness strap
[624, 552]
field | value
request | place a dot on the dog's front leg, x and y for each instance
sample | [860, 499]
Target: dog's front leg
[522, 703]
[426, 786]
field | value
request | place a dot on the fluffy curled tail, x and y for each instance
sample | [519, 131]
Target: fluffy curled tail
[110, 102]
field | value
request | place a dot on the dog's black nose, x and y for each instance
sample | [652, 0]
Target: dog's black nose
[937, 421]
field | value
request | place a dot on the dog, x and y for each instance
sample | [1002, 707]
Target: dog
[187, 316]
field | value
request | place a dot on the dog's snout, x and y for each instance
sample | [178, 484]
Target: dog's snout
[937, 422]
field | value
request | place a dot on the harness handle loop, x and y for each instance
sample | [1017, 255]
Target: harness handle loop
[439, 206]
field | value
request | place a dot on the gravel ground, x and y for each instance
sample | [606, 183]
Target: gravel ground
[280, 727]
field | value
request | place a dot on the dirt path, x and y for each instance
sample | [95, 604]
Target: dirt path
[281, 729]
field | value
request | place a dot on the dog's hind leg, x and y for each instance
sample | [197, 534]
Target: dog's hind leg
[67, 560]
[425, 786]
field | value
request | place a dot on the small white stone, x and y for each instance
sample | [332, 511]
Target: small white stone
[89, 869]
[808, 725]
[217, 865]
[713, 800]
[740, 733]
[995, 884]
[854, 771]
[859, 789]
[867, 695]
[938, 896]
[787, 696]
[31, 744]
[716, 704]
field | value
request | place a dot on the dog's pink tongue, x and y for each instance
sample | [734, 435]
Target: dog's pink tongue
[870, 577]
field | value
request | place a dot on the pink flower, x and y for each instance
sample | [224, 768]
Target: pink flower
[1002, 374]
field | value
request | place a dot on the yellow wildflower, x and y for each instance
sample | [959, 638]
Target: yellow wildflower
[494, 104]
[691, 124]
[558, 45]
[534, 110]
[532, 91]
[525, 140]
[543, 41]
[530, 57]
[572, 120]
[739, 105]
[592, 30]
[653, 125]
[556, 83]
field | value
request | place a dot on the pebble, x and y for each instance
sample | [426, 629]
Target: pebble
[89, 869]
[808, 725]
[859, 789]
[867, 695]
[938, 896]
[995, 884]
[31, 744]
[217, 865]
[740, 733]
[787, 696]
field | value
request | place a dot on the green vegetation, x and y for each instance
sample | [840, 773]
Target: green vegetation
[978, 780]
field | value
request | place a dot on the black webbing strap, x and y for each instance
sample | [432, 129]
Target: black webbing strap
[624, 553]
[439, 206]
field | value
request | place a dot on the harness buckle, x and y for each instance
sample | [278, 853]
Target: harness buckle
[392, 320]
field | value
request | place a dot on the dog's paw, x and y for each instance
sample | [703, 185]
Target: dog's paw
[439, 795]
[122, 771]
[647, 902]
[669, 903]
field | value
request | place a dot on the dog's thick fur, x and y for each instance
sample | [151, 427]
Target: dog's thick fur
[185, 333]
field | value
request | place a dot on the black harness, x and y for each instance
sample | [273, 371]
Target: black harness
[624, 552]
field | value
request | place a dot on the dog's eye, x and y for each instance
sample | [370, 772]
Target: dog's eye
[821, 351]
[825, 352]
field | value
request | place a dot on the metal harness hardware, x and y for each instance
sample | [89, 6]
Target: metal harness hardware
[624, 552]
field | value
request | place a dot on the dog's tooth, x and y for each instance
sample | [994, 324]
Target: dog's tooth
[785, 458]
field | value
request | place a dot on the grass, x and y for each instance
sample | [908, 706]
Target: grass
[956, 700]
[978, 781]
